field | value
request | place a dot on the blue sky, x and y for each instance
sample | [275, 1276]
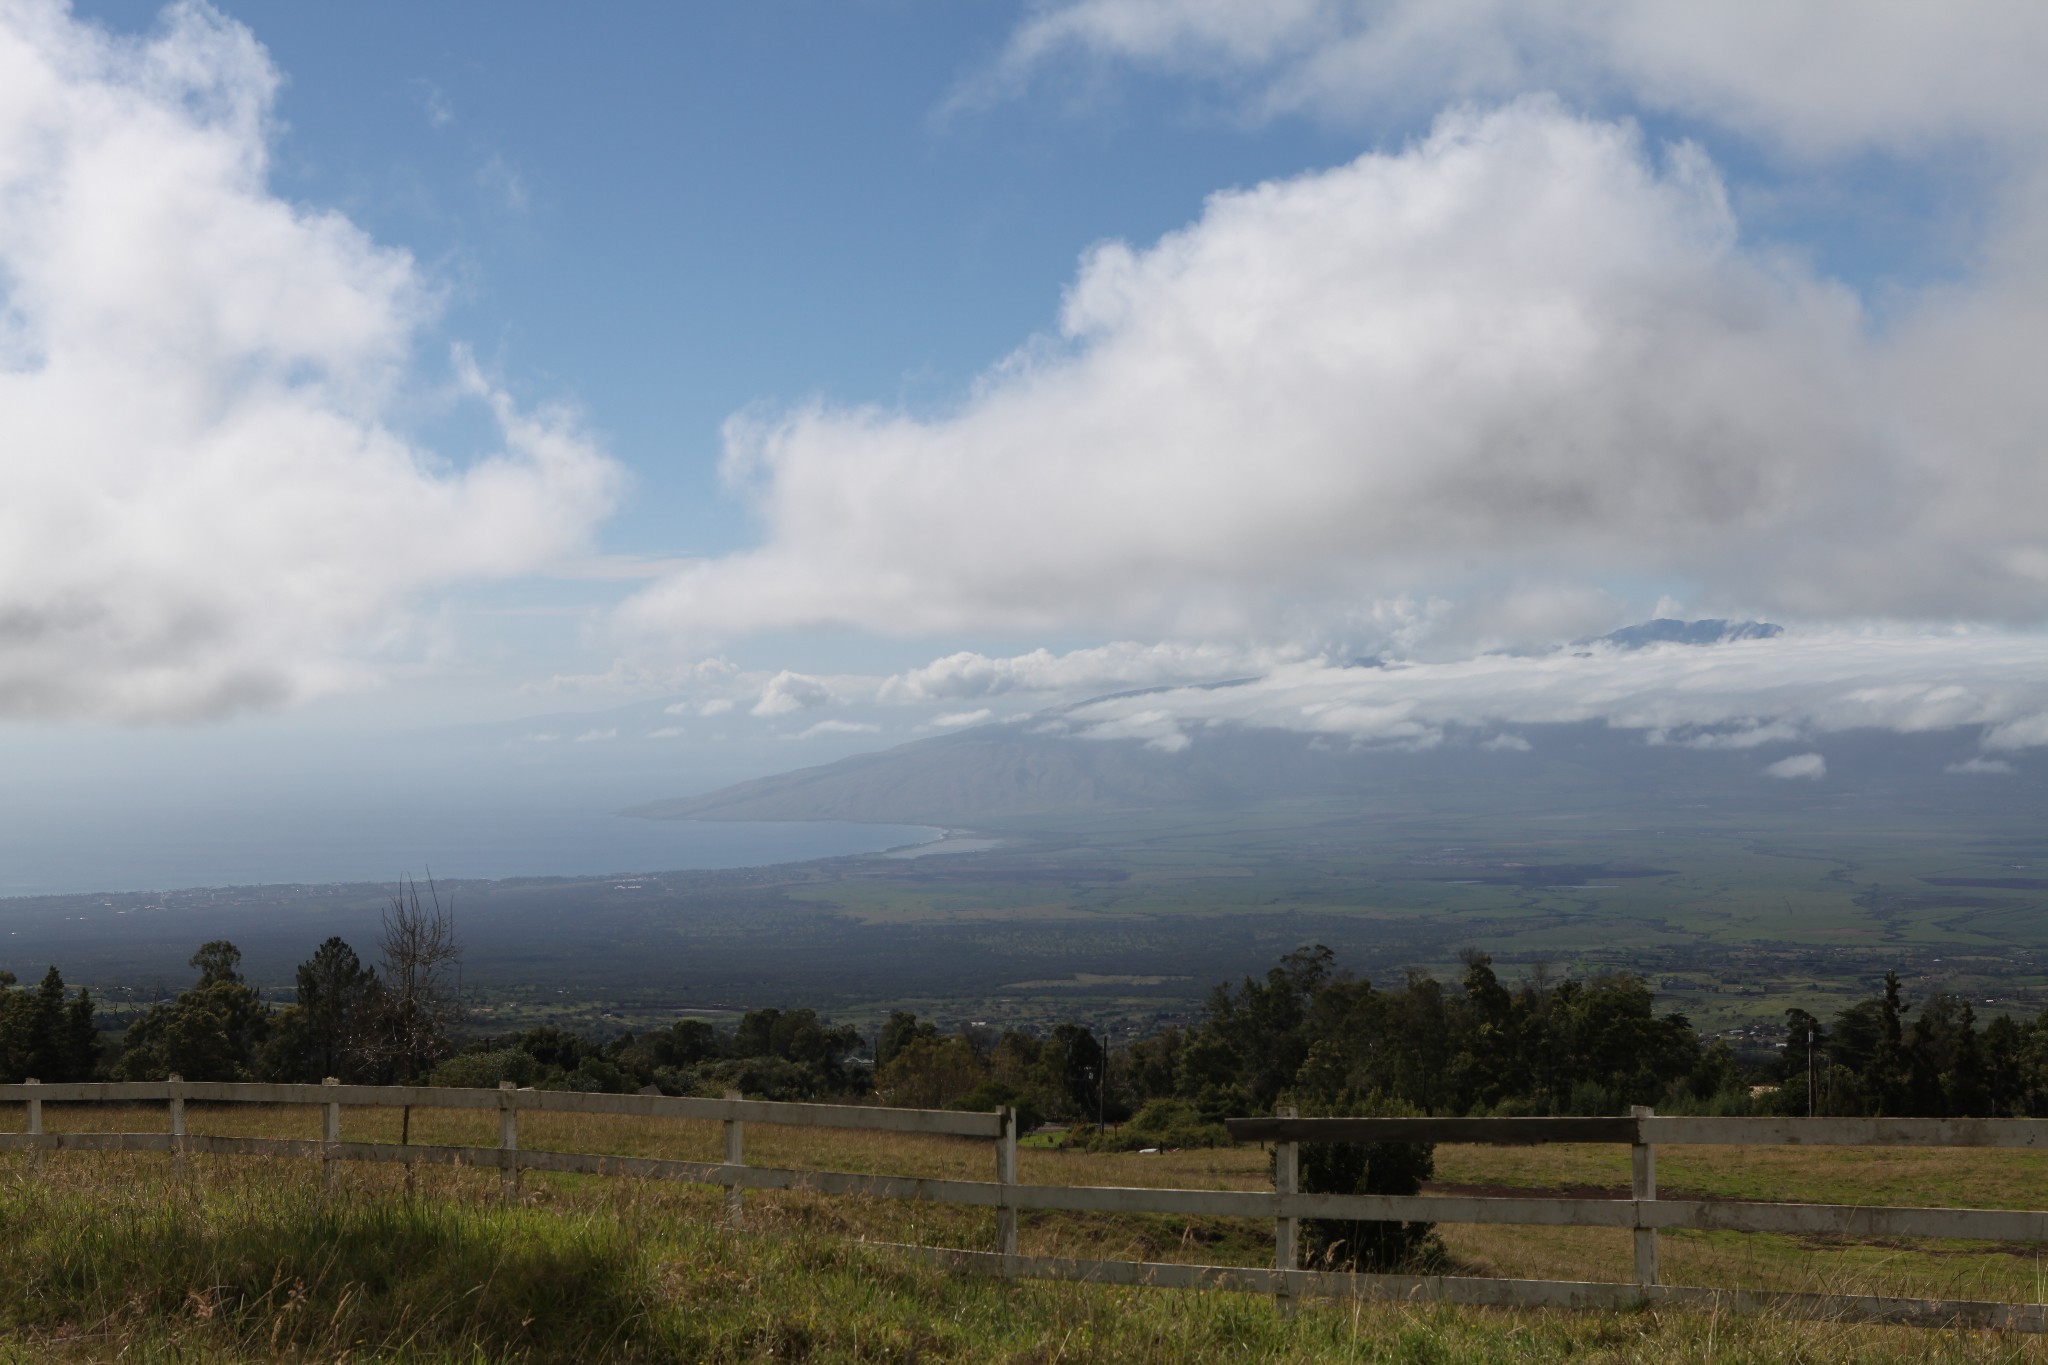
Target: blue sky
[666, 213]
[762, 382]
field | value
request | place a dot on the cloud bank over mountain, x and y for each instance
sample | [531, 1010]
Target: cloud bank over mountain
[209, 505]
[1742, 694]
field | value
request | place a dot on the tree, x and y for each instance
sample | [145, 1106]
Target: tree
[47, 1053]
[418, 1003]
[898, 1033]
[325, 1033]
[929, 1073]
[337, 994]
[219, 963]
[81, 1039]
[212, 1032]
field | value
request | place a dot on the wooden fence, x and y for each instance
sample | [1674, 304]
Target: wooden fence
[1644, 1214]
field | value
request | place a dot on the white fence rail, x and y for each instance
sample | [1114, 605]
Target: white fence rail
[1643, 1213]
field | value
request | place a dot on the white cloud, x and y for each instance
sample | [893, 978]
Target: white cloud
[597, 736]
[1507, 743]
[1811, 767]
[787, 692]
[954, 720]
[1157, 727]
[1522, 355]
[1801, 683]
[1747, 734]
[1981, 767]
[966, 675]
[838, 727]
[666, 732]
[717, 706]
[1816, 76]
[207, 509]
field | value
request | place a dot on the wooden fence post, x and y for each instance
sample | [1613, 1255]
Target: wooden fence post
[330, 1138]
[734, 1156]
[1643, 1188]
[1286, 1181]
[35, 1129]
[508, 1141]
[1006, 1176]
[177, 1128]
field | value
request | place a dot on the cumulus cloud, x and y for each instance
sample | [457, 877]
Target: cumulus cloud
[1817, 76]
[1528, 347]
[789, 692]
[207, 507]
[1800, 684]
[1981, 767]
[1808, 767]
[954, 720]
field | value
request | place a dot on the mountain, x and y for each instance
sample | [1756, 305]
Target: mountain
[1006, 772]
[1665, 631]
[1038, 766]
[990, 771]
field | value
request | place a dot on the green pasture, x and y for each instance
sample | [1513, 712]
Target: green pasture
[108, 1257]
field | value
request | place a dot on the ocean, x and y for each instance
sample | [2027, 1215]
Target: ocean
[164, 845]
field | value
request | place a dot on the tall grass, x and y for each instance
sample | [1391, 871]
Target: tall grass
[105, 1256]
[254, 1263]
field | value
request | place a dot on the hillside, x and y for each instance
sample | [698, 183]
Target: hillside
[991, 771]
[1009, 771]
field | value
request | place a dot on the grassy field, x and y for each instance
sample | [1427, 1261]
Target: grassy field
[105, 1256]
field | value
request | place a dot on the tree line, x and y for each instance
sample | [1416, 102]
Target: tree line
[1873, 1060]
[384, 1024]
[1305, 1032]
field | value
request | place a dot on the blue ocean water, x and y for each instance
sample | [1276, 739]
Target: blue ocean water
[165, 846]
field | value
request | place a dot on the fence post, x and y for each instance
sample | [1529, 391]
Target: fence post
[1006, 1176]
[1643, 1188]
[177, 1128]
[1286, 1182]
[330, 1138]
[508, 1140]
[35, 1129]
[734, 1156]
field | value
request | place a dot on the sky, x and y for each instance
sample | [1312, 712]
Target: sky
[626, 401]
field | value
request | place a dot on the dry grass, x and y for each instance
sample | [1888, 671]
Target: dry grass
[250, 1261]
[635, 1225]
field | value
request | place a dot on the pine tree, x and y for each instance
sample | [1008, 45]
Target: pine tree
[81, 1039]
[46, 1050]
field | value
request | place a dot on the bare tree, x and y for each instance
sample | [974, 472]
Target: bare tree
[419, 999]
